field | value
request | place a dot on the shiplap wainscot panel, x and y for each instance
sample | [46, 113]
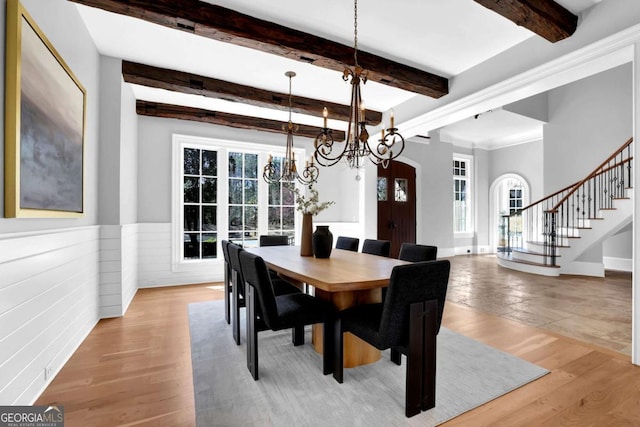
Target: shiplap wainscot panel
[118, 268]
[48, 305]
[156, 264]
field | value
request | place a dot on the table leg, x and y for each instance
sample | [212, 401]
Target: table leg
[356, 351]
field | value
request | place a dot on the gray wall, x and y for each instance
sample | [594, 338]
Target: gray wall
[525, 160]
[61, 23]
[536, 107]
[118, 148]
[154, 158]
[109, 153]
[128, 156]
[588, 121]
[436, 205]
[482, 160]
[619, 245]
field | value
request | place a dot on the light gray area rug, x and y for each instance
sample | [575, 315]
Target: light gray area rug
[293, 391]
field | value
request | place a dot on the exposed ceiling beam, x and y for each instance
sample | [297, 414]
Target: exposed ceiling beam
[194, 84]
[226, 25]
[168, 111]
[544, 17]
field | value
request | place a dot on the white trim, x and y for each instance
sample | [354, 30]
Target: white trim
[470, 179]
[18, 235]
[492, 145]
[510, 143]
[599, 56]
[618, 264]
[222, 146]
[493, 201]
[581, 268]
[635, 283]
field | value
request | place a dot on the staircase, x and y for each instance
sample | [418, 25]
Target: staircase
[548, 237]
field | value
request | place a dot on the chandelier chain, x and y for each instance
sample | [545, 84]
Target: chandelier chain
[356, 145]
[290, 77]
[355, 32]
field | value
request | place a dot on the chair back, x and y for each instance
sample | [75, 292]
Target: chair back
[274, 240]
[348, 243]
[234, 260]
[421, 281]
[256, 274]
[225, 251]
[414, 253]
[376, 247]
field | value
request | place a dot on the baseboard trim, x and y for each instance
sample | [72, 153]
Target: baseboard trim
[618, 264]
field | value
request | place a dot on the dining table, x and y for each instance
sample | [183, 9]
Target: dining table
[345, 279]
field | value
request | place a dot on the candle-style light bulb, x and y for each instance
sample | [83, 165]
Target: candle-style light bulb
[325, 114]
[391, 119]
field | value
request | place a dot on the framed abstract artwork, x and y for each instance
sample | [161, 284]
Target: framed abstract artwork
[45, 109]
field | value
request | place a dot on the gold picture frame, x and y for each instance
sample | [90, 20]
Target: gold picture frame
[45, 119]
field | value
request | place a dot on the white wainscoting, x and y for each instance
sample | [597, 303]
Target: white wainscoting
[118, 268]
[156, 266]
[48, 305]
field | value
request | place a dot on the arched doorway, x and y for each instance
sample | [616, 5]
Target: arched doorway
[507, 193]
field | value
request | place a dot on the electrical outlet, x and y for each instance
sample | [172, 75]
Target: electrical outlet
[48, 370]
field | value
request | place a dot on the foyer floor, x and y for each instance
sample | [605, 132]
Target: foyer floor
[590, 309]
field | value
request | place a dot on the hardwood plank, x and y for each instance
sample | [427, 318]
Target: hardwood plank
[226, 25]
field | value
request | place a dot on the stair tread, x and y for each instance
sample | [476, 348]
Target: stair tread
[542, 244]
[519, 261]
[530, 252]
[563, 236]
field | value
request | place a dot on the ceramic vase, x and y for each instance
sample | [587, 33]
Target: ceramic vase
[306, 245]
[322, 242]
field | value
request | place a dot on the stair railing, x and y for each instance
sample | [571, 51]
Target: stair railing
[552, 221]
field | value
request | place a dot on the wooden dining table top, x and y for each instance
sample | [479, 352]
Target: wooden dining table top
[342, 271]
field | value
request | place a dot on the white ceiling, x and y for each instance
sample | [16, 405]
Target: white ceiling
[493, 129]
[444, 37]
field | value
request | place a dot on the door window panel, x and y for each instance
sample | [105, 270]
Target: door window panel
[382, 189]
[401, 187]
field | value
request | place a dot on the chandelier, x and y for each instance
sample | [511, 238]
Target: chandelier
[356, 146]
[288, 171]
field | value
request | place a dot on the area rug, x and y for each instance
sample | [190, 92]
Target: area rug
[293, 391]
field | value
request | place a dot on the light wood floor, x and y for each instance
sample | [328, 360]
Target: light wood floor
[136, 370]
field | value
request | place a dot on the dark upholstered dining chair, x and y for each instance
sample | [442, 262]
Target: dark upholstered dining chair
[414, 253]
[227, 281]
[376, 247]
[348, 243]
[274, 240]
[408, 320]
[265, 311]
[280, 287]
